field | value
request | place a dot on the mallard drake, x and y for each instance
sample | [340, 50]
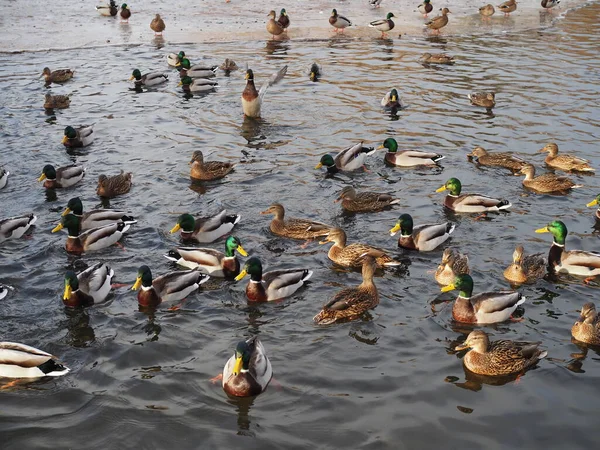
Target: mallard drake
[500, 357]
[487, 10]
[352, 303]
[564, 161]
[423, 238]
[63, 177]
[15, 227]
[197, 84]
[148, 79]
[3, 177]
[248, 371]
[547, 4]
[89, 240]
[485, 307]
[228, 65]
[574, 262]
[157, 25]
[470, 203]
[110, 187]
[425, 8]
[208, 171]
[353, 255]
[294, 228]
[338, 22]
[274, 28]
[205, 229]
[438, 22]
[547, 182]
[525, 269]
[56, 101]
[353, 201]
[89, 287]
[97, 217]
[436, 58]
[350, 158]
[384, 25]
[453, 264]
[23, 361]
[171, 286]
[209, 260]
[496, 159]
[408, 158]
[594, 202]
[57, 76]
[508, 7]
[251, 99]
[174, 59]
[272, 285]
[391, 100]
[125, 13]
[315, 72]
[587, 327]
[110, 9]
[78, 137]
[484, 99]
[284, 19]
[186, 68]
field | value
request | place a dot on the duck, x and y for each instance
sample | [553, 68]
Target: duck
[484, 99]
[508, 7]
[594, 202]
[573, 262]
[499, 358]
[496, 159]
[197, 84]
[148, 79]
[453, 264]
[391, 100]
[63, 177]
[487, 11]
[482, 308]
[272, 285]
[57, 76]
[89, 240]
[205, 229]
[248, 372]
[315, 72]
[349, 159]
[157, 25]
[353, 255]
[384, 25]
[174, 59]
[547, 182]
[97, 217]
[56, 101]
[228, 65]
[110, 9]
[375, 3]
[209, 260]
[338, 22]
[274, 28]
[470, 203]
[125, 13]
[208, 171]
[15, 227]
[251, 98]
[3, 177]
[110, 187]
[186, 68]
[78, 137]
[438, 22]
[171, 286]
[423, 238]
[292, 227]
[525, 269]
[365, 201]
[548, 4]
[587, 328]
[351, 303]
[89, 287]
[408, 158]
[436, 58]
[564, 161]
[23, 361]
[284, 19]
[425, 8]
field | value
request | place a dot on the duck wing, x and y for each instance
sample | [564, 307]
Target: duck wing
[275, 78]
[93, 278]
[22, 355]
[494, 302]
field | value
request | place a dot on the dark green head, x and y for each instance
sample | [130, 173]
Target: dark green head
[185, 222]
[180, 55]
[243, 354]
[334, 12]
[136, 74]
[71, 222]
[390, 15]
[124, 6]
[233, 244]
[71, 280]
[75, 206]
[144, 278]
[462, 283]
[453, 186]
[249, 75]
[184, 64]
[314, 72]
[186, 81]
[426, 1]
[70, 132]
[327, 161]
[49, 172]
[390, 144]
[282, 12]
[253, 267]
[404, 224]
[558, 230]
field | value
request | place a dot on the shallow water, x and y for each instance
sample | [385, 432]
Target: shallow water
[389, 381]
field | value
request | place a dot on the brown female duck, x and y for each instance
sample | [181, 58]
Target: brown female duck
[365, 201]
[525, 269]
[496, 159]
[56, 101]
[508, 7]
[294, 228]
[547, 182]
[564, 161]
[157, 25]
[57, 76]
[273, 27]
[436, 58]
[438, 22]
[208, 171]
[112, 186]
[484, 99]
[453, 264]
[587, 327]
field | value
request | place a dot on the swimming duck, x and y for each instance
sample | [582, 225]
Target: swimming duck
[508, 7]
[171, 286]
[173, 59]
[525, 269]
[423, 238]
[273, 27]
[209, 260]
[63, 177]
[186, 68]
[110, 187]
[408, 158]
[453, 264]
[97, 217]
[383, 25]
[251, 99]
[15, 227]
[496, 159]
[484, 99]
[338, 22]
[391, 100]
[425, 8]
[89, 240]
[547, 182]
[574, 262]
[350, 158]
[197, 84]
[57, 76]
[365, 201]
[208, 171]
[438, 22]
[587, 327]
[89, 287]
[351, 303]
[470, 203]
[485, 307]
[284, 19]
[594, 202]
[315, 72]
[500, 357]
[157, 25]
[487, 10]
[228, 65]
[272, 285]
[564, 161]
[547, 4]
[78, 137]
[110, 9]
[23, 361]
[436, 58]
[3, 177]
[353, 255]
[294, 228]
[56, 101]
[205, 229]
[125, 13]
[148, 79]
[248, 371]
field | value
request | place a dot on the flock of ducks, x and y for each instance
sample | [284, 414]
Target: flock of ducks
[249, 370]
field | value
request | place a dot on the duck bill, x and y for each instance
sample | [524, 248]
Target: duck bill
[42, 177]
[325, 241]
[176, 228]
[395, 230]
[462, 346]
[394, 98]
[542, 230]
[312, 76]
[138, 283]
[592, 203]
[65, 139]
[66, 211]
[237, 367]
[67, 293]
[318, 166]
[57, 228]
[241, 250]
[131, 78]
[242, 274]
[442, 189]
[380, 147]
[180, 84]
[448, 288]
[265, 212]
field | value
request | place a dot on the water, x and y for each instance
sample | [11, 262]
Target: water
[389, 381]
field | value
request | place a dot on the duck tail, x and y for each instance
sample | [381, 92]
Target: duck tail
[504, 204]
[173, 255]
[543, 354]
[521, 300]
[395, 201]
[51, 368]
[368, 150]
[437, 158]
[234, 218]
[577, 186]
[306, 275]
[450, 227]
[130, 220]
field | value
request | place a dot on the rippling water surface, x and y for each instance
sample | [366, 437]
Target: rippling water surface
[388, 381]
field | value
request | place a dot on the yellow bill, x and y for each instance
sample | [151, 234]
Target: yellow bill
[57, 228]
[318, 166]
[394, 98]
[241, 250]
[592, 203]
[442, 189]
[380, 147]
[242, 274]
[176, 228]
[64, 140]
[448, 288]
[131, 77]
[394, 230]
[237, 367]
[180, 83]
[66, 211]
[542, 230]
[67, 293]
[42, 177]
[138, 283]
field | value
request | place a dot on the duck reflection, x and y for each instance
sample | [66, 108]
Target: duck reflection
[79, 331]
[51, 195]
[252, 129]
[158, 42]
[386, 45]
[243, 406]
[152, 328]
[576, 364]
[277, 47]
[198, 186]
[437, 40]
